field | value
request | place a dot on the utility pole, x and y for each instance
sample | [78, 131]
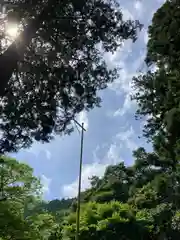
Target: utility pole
[80, 175]
[2, 194]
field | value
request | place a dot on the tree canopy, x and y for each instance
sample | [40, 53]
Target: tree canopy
[56, 66]
[141, 201]
[158, 92]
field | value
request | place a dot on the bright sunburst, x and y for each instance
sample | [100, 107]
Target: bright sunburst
[12, 31]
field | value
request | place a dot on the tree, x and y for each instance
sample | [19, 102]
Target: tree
[129, 202]
[17, 180]
[60, 67]
[57, 208]
[158, 93]
[151, 208]
[107, 221]
[12, 224]
[146, 167]
[41, 225]
[17, 185]
[159, 221]
[163, 44]
[113, 186]
[23, 214]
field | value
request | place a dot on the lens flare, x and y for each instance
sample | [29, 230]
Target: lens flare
[12, 30]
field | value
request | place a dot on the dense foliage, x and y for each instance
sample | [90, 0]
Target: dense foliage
[136, 202]
[23, 213]
[141, 201]
[56, 66]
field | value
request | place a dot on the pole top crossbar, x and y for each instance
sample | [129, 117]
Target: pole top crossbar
[81, 126]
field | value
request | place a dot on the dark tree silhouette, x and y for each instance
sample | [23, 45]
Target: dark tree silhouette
[55, 67]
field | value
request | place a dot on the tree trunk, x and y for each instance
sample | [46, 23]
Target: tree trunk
[9, 59]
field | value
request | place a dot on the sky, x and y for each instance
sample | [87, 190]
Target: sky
[111, 131]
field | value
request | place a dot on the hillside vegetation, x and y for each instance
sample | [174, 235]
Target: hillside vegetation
[135, 202]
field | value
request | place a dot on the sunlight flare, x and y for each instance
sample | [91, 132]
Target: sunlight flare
[12, 30]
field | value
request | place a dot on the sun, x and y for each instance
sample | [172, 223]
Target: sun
[12, 31]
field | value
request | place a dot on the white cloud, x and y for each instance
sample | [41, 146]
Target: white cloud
[123, 85]
[39, 151]
[113, 154]
[154, 68]
[127, 15]
[126, 134]
[123, 141]
[97, 168]
[146, 37]
[48, 154]
[138, 8]
[129, 68]
[144, 121]
[89, 170]
[126, 137]
[142, 124]
[129, 65]
[117, 59]
[128, 105]
[83, 118]
[122, 53]
[138, 5]
[46, 183]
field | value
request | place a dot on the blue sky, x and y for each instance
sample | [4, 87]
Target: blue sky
[112, 131]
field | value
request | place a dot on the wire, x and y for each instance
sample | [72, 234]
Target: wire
[76, 127]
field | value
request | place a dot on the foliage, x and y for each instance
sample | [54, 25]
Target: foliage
[158, 92]
[157, 95]
[17, 180]
[151, 187]
[163, 44]
[57, 208]
[59, 66]
[17, 184]
[106, 221]
[23, 214]
[141, 201]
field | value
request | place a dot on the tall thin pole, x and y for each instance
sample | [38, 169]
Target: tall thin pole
[79, 186]
[2, 194]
